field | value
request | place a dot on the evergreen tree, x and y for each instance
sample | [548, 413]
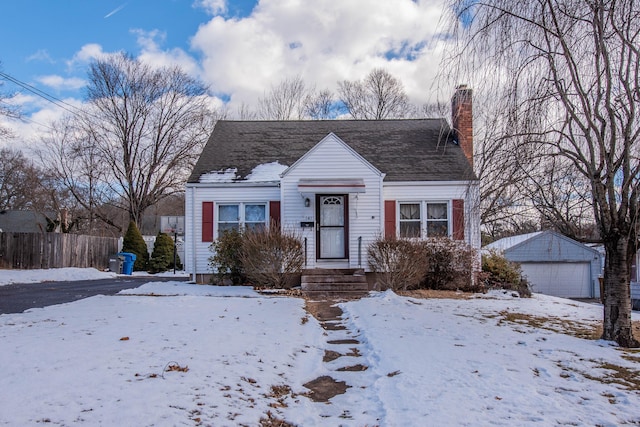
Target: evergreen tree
[134, 243]
[162, 256]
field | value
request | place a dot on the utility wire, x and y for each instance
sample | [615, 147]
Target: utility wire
[50, 98]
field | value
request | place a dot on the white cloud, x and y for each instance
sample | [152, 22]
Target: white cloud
[38, 114]
[61, 83]
[87, 53]
[325, 42]
[214, 7]
[41, 55]
[150, 42]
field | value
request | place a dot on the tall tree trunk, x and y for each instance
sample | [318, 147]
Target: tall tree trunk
[617, 299]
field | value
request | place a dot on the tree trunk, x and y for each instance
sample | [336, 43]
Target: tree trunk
[617, 299]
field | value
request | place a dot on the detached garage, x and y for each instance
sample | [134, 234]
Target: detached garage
[554, 264]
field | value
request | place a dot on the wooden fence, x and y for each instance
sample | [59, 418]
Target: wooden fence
[55, 250]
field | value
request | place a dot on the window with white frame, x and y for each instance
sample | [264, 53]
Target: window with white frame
[437, 220]
[238, 216]
[410, 220]
[423, 219]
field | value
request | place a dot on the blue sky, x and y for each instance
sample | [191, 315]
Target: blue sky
[41, 37]
[239, 47]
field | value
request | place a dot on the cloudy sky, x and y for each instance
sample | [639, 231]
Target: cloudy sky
[239, 47]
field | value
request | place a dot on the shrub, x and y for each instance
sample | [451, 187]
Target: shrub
[226, 261]
[399, 264]
[450, 265]
[134, 243]
[271, 257]
[162, 255]
[500, 273]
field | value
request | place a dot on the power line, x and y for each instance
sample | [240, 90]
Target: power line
[42, 94]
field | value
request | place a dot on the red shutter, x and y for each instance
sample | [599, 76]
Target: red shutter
[207, 221]
[390, 219]
[274, 212]
[458, 219]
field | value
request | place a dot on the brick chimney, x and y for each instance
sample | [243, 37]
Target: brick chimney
[462, 120]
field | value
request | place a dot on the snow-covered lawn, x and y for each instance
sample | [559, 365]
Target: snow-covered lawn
[202, 355]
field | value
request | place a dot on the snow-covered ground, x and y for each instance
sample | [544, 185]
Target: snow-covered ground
[8, 277]
[173, 353]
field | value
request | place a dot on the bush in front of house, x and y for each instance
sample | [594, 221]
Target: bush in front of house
[271, 257]
[399, 264]
[500, 273]
[135, 244]
[450, 265]
[162, 255]
[226, 259]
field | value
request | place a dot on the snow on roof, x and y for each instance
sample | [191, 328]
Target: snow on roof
[265, 172]
[505, 243]
[225, 175]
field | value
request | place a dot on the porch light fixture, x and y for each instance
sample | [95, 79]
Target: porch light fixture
[307, 202]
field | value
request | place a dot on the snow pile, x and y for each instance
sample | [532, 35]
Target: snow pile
[171, 353]
[8, 277]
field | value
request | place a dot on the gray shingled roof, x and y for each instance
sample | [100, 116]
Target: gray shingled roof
[405, 150]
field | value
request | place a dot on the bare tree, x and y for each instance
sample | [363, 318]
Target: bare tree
[567, 73]
[19, 181]
[284, 101]
[379, 96]
[146, 125]
[244, 112]
[320, 105]
[77, 164]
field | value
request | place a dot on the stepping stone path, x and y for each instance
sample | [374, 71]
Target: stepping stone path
[330, 317]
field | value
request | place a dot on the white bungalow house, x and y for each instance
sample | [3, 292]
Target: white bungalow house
[340, 184]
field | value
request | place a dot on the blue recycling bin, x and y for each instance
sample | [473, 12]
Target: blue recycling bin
[127, 264]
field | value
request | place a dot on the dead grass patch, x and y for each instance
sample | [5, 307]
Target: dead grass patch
[270, 420]
[584, 329]
[433, 293]
[607, 373]
[628, 378]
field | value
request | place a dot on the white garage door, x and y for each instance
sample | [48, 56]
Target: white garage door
[568, 280]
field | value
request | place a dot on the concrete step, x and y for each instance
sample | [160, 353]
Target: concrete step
[339, 295]
[334, 280]
[332, 271]
[335, 287]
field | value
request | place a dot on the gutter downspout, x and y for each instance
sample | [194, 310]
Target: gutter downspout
[193, 239]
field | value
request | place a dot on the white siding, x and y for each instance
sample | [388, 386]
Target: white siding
[442, 191]
[195, 195]
[331, 158]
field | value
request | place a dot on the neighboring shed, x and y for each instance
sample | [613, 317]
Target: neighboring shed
[554, 264]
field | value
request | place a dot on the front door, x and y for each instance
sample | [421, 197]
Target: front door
[332, 226]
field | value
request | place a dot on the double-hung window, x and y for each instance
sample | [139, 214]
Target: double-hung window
[236, 216]
[423, 219]
[410, 220]
[437, 220]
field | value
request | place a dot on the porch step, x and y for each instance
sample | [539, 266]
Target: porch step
[334, 280]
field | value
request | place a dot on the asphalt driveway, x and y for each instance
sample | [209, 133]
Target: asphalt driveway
[16, 298]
